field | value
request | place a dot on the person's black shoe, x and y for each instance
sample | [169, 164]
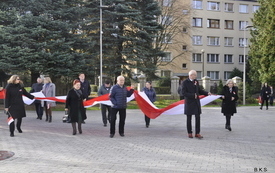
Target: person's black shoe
[12, 135]
[147, 126]
[122, 134]
[37, 118]
[261, 108]
[229, 128]
[20, 131]
[112, 135]
[105, 125]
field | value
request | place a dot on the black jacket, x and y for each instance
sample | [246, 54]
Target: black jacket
[192, 105]
[14, 100]
[265, 92]
[229, 105]
[118, 96]
[85, 88]
[75, 105]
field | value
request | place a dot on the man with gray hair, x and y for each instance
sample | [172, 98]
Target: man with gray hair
[191, 92]
[118, 97]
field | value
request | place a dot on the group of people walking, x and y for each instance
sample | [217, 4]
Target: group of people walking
[118, 93]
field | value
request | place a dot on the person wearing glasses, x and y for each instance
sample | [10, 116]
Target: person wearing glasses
[14, 105]
[229, 98]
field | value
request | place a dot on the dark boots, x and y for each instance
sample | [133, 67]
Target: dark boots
[228, 127]
[74, 128]
[79, 127]
[50, 118]
[47, 118]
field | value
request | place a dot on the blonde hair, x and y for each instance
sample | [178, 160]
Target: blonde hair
[48, 79]
[13, 79]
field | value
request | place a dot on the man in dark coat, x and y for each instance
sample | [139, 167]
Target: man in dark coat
[191, 92]
[85, 88]
[118, 96]
[37, 87]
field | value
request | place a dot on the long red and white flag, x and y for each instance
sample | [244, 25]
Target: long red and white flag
[146, 106]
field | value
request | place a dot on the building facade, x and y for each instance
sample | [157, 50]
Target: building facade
[214, 39]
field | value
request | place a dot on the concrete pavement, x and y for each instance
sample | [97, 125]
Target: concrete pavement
[162, 148]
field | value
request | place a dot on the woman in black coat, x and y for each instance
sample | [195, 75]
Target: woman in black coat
[265, 94]
[14, 105]
[230, 96]
[74, 104]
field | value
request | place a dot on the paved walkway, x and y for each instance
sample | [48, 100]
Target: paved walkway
[161, 148]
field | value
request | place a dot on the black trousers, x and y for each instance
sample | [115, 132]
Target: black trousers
[122, 117]
[104, 109]
[18, 124]
[147, 120]
[228, 118]
[266, 102]
[197, 123]
[39, 109]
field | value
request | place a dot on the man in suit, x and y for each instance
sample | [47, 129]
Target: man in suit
[191, 92]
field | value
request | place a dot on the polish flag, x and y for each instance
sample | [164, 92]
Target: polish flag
[10, 120]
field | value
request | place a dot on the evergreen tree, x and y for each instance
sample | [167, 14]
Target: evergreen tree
[44, 37]
[128, 35]
[262, 52]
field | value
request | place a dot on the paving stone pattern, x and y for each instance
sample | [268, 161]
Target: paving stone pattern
[162, 148]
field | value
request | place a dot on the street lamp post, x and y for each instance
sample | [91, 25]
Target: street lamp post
[100, 41]
[244, 62]
[202, 53]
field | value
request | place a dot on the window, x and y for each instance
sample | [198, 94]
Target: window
[166, 57]
[228, 7]
[167, 3]
[241, 60]
[227, 75]
[197, 4]
[255, 8]
[213, 6]
[197, 22]
[166, 20]
[184, 65]
[213, 41]
[228, 41]
[228, 24]
[228, 58]
[243, 8]
[213, 58]
[243, 24]
[214, 75]
[167, 39]
[165, 73]
[197, 40]
[213, 23]
[184, 47]
[243, 42]
[197, 57]
[199, 75]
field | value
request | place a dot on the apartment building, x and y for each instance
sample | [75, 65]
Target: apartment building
[214, 42]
